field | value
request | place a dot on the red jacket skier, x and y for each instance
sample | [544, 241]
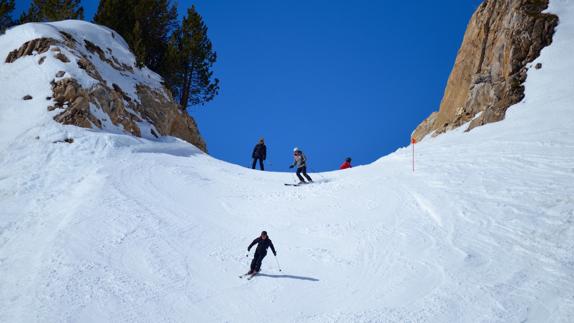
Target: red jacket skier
[346, 164]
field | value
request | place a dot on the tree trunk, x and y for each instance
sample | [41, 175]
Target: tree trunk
[185, 88]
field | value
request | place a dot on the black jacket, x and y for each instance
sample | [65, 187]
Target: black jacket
[260, 151]
[262, 245]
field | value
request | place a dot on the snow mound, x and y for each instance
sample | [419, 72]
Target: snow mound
[79, 73]
[115, 52]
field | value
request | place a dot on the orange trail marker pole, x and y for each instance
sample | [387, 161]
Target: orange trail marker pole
[413, 142]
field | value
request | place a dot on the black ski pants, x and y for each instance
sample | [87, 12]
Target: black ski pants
[304, 171]
[257, 259]
[260, 163]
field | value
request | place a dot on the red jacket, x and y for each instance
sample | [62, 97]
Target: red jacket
[345, 165]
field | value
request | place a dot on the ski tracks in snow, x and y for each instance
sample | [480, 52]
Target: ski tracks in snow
[165, 238]
[498, 225]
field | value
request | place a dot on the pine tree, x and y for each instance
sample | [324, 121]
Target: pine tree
[6, 8]
[156, 20]
[53, 10]
[32, 15]
[137, 44]
[182, 55]
[172, 64]
[117, 15]
[160, 20]
[196, 84]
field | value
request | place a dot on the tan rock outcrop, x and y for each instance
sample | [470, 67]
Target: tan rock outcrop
[74, 103]
[503, 36]
[38, 46]
[167, 117]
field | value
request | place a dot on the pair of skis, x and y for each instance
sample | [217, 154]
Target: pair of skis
[248, 275]
[298, 184]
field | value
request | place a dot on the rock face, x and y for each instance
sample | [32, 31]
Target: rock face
[503, 36]
[96, 83]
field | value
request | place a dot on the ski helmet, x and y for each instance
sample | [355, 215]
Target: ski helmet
[296, 149]
[348, 159]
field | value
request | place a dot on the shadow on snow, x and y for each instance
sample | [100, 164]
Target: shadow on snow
[289, 276]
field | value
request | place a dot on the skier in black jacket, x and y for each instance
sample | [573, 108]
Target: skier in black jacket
[263, 242]
[259, 153]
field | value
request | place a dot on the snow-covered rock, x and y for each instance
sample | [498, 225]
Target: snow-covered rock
[501, 39]
[82, 74]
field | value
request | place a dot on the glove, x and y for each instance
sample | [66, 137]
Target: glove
[275, 254]
[291, 166]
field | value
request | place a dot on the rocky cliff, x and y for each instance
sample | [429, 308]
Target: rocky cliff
[503, 36]
[92, 81]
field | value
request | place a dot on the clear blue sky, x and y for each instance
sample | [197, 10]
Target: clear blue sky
[335, 78]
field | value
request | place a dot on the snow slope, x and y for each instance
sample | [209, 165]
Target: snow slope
[114, 228]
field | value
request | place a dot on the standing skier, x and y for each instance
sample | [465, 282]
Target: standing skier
[259, 153]
[346, 164]
[263, 242]
[301, 162]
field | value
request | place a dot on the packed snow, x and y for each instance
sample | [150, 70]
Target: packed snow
[113, 228]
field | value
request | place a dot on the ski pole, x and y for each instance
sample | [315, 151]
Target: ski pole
[278, 263]
[269, 158]
[413, 142]
[313, 171]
